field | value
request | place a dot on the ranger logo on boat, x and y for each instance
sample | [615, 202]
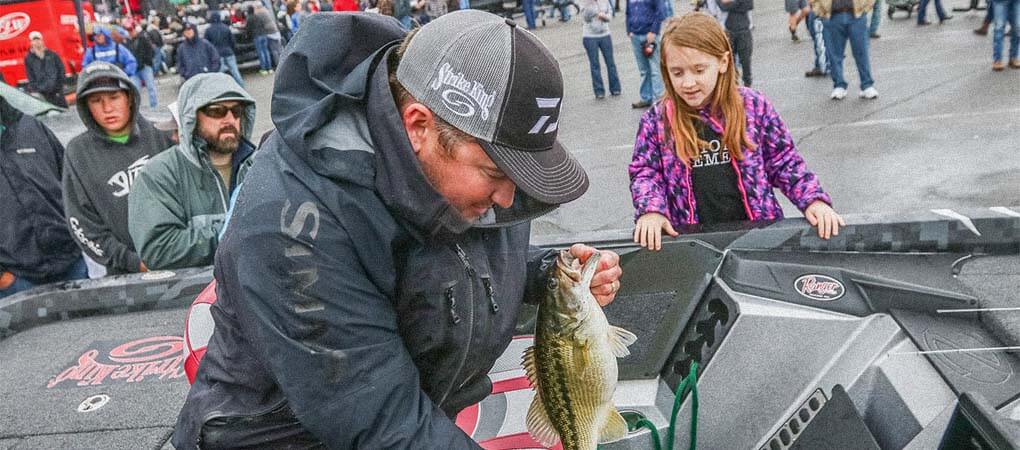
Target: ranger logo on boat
[819, 287]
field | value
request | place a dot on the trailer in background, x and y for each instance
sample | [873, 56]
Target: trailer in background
[57, 20]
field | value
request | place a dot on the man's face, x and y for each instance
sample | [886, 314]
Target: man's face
[220, 125]
[189, 33]
[463, 174]
[111, 110]
[100, 38]
[38, 44]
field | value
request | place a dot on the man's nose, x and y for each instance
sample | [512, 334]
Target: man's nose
[504, 194]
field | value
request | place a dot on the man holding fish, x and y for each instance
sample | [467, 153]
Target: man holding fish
[378, 253]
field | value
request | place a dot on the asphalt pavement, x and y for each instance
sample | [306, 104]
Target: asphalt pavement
[943, 132]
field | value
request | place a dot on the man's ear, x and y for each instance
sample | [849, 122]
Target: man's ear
[418, 121]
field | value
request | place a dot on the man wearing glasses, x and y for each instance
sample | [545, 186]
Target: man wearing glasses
[178, 204]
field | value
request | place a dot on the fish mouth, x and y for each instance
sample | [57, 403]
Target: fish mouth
[570, 267]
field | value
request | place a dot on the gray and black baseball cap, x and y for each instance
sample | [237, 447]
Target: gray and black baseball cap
[493, 80]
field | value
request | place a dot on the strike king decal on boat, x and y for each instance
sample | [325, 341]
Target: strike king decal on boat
[105, 363]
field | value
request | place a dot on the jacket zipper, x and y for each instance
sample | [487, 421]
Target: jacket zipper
[471, 321]
[740, 185]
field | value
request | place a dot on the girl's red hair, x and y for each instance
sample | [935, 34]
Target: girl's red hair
[702, 32]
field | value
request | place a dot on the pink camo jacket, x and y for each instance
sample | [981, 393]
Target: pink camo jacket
[661, 183]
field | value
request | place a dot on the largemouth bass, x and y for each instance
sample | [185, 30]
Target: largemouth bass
[572, 365]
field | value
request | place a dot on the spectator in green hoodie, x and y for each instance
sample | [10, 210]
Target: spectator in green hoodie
[179, 203]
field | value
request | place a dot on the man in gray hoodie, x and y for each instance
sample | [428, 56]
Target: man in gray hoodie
[179, 201]
[100, 165]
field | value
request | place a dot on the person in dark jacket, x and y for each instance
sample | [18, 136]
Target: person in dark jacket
[195, 55]
[156, 37]
[219, 35]
[644, 18]
[45, 71]
[738, 28]
[35, 246]
[101, 164]
[145, 54]
[392, 232]
[178, 203]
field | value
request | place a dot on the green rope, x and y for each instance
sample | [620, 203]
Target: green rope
[694, 405]
[645, 423]
[689, 384]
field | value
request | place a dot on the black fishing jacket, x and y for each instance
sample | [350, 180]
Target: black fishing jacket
[350, 292]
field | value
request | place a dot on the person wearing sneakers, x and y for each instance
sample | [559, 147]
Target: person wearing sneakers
[391, 212]
[844, 20]
[1005, 11]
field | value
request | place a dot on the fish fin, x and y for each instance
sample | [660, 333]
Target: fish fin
[619, 339]
[539, 425]
[614, 429]
[528, 361]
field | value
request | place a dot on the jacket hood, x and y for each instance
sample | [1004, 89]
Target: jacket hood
[326, 72]
[199, 91]
[105, 32]
[215, 17]
[9, 115]
[95, 71]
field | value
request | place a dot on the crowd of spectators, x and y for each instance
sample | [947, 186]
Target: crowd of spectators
[130, 194]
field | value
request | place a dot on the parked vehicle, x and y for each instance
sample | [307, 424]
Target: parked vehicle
[58, 23]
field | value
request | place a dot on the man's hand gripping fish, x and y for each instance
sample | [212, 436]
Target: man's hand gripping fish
[572, 365]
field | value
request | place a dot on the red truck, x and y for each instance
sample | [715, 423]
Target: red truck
[55, 19]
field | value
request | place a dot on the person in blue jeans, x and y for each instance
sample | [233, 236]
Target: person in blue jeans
[529, 13]
[218, 33]
[1005, 11]
[816, 31]
[842, 21]
[597, 37]
[922, 11]
[644, 18]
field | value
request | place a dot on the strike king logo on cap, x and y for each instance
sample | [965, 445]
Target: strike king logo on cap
[498, 83]
[463, 97]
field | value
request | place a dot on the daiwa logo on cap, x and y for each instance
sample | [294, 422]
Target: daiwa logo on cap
[463, 97]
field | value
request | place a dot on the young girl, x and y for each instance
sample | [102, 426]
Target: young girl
[711, 151]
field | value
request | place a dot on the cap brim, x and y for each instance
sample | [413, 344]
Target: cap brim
[94, 90]
[551, 176]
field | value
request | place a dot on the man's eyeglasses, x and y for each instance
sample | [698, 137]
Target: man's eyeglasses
[218, 111]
